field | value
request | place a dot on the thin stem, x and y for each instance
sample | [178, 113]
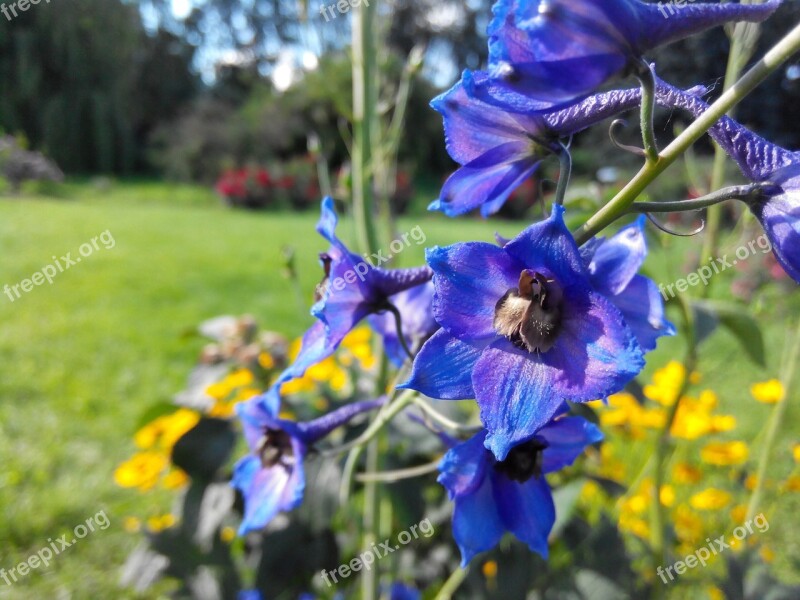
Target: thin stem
[452, 584]
[657, 516]
[776, 419]
[565, 172]
[441, 419]
[398, 323]
[647, 79]
[739, 192]
[739, 52]
[364, 107]
[618, 206]
[389, 412]
[370, 522]
[399, 474]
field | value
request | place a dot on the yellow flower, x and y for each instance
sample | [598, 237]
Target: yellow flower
[266, 361]
[768, 392]
[156, 524]
[227, 534]
[767, 555]
[219, 390]
[131, 524]
[686, 473]
[724, 454]
[624, 410]
[141, 471]
[667, 382]
[739, 513]
[489, 569]
[796, 453]
[688, 526]
[710, 499]
[667, 495]
[239, 378]
[176, 425]
[175, 479]
[722, 423]
[635, 525]
[792, 484]
[714, 593]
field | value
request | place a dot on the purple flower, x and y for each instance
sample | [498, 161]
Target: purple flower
[271, 478]
[523, 329]
[548, 53]
[775, 168]
[350, 290]
[492, 497]
[498, 150]
[613, 266]
[415, 306]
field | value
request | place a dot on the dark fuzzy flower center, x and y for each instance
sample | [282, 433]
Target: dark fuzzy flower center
[530, 315]
[276, 448]
[322, 289]
[524, 461]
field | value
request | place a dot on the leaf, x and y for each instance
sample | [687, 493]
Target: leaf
[735, 319]
[205, 449]
[566, 498]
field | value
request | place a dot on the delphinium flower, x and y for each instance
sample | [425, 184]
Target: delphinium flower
[351, 290]
[492, 497]
[777, 207]
[498, 150]
[271, 478]
[415, 308]
[522, 330]
[547, 53]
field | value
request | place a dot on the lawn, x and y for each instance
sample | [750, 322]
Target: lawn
[83, 357]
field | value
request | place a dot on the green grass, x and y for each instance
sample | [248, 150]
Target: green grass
[81, 359]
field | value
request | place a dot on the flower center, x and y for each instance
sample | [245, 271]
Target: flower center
[530, 315]
[322, 288]
[276, 448]
[524, 461]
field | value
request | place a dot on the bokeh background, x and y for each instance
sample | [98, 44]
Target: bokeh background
[201, 134]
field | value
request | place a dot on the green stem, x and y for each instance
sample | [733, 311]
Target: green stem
[739, 192]
[618, 206]
[736, 59]
[647, 79]
[441, 419]
[370, 523]
[565, 172]
[776, 419]
[364, 107]
[452, 584]
[657, 516]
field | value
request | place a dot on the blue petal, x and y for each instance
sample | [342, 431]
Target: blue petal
[489, 178]
[780, 217]
[664, 23]
[526, 509]
[256, 416]
[470, 278]
[550, 246]
[398, 591]
[443, 368]
[314, 430]
[642, 307]
[477, 526]
[617, 260]
[464, 467]
[516, 394]
[472, 128]
[266, 491]
[567, 438]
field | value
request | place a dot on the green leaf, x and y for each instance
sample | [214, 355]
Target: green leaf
[205, 449]
[736, 320]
